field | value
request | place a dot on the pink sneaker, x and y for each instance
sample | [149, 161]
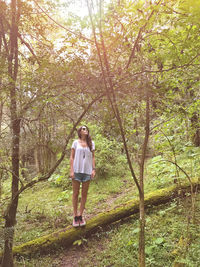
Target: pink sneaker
[75, 221]
[82, 221]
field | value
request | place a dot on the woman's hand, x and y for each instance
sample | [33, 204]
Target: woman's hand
[72, 174]
[93, 174]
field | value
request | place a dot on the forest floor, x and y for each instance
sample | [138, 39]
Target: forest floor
[45, 208]
[71, 256]
[171, 236]
[170, 233]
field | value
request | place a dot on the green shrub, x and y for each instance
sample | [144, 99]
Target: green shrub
[61, 177]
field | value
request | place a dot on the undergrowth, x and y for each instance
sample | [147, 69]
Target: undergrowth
[47, 207]
[171, 237]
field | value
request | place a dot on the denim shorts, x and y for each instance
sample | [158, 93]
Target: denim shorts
[82, 177]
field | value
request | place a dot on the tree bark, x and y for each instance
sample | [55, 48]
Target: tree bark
[1, 177]
[196, 128]
[1, 111]
[1, 102]
[10, 218]
[142, 163]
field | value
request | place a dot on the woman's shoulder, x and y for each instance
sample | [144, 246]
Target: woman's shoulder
[74, 144]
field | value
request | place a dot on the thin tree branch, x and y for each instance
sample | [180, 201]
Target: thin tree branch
[173, 150]
[22, 40]
[99, 52]
[6, 169]
[111, 96]
[179, 168]
[174, 11]
[52, 170]
[160, 71]
[61, 26]
[139, 36]
[29, 47]
[4, 38]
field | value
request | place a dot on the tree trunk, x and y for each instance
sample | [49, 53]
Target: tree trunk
[1, 177]
[142, 163]
[10, 217]
[195, 127]
[1, 110]
[1, 115]
[141, 251]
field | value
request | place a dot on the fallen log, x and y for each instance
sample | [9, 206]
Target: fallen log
[68, 235]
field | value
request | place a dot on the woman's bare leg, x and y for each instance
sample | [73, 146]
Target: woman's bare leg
[85, 186]
[75, 187]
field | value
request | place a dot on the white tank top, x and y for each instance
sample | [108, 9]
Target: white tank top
[83, 158]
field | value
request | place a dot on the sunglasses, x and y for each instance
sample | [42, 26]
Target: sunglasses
[84, 128]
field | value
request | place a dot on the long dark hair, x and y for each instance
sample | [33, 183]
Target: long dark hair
[88, 137]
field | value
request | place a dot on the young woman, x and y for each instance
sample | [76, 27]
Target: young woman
[82, 170]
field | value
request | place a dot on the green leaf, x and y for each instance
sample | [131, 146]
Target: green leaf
[136, 230]
[159, 240]
[149, 250]
[78, 242]
[130, 242]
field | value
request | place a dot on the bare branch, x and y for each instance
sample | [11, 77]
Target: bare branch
[4, 38]
[6, 169]
[29, 47]
[179, 168]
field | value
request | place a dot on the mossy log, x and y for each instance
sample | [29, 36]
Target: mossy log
[68, 235]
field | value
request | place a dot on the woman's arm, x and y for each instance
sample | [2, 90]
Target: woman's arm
[72, 163]
[93, 165]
